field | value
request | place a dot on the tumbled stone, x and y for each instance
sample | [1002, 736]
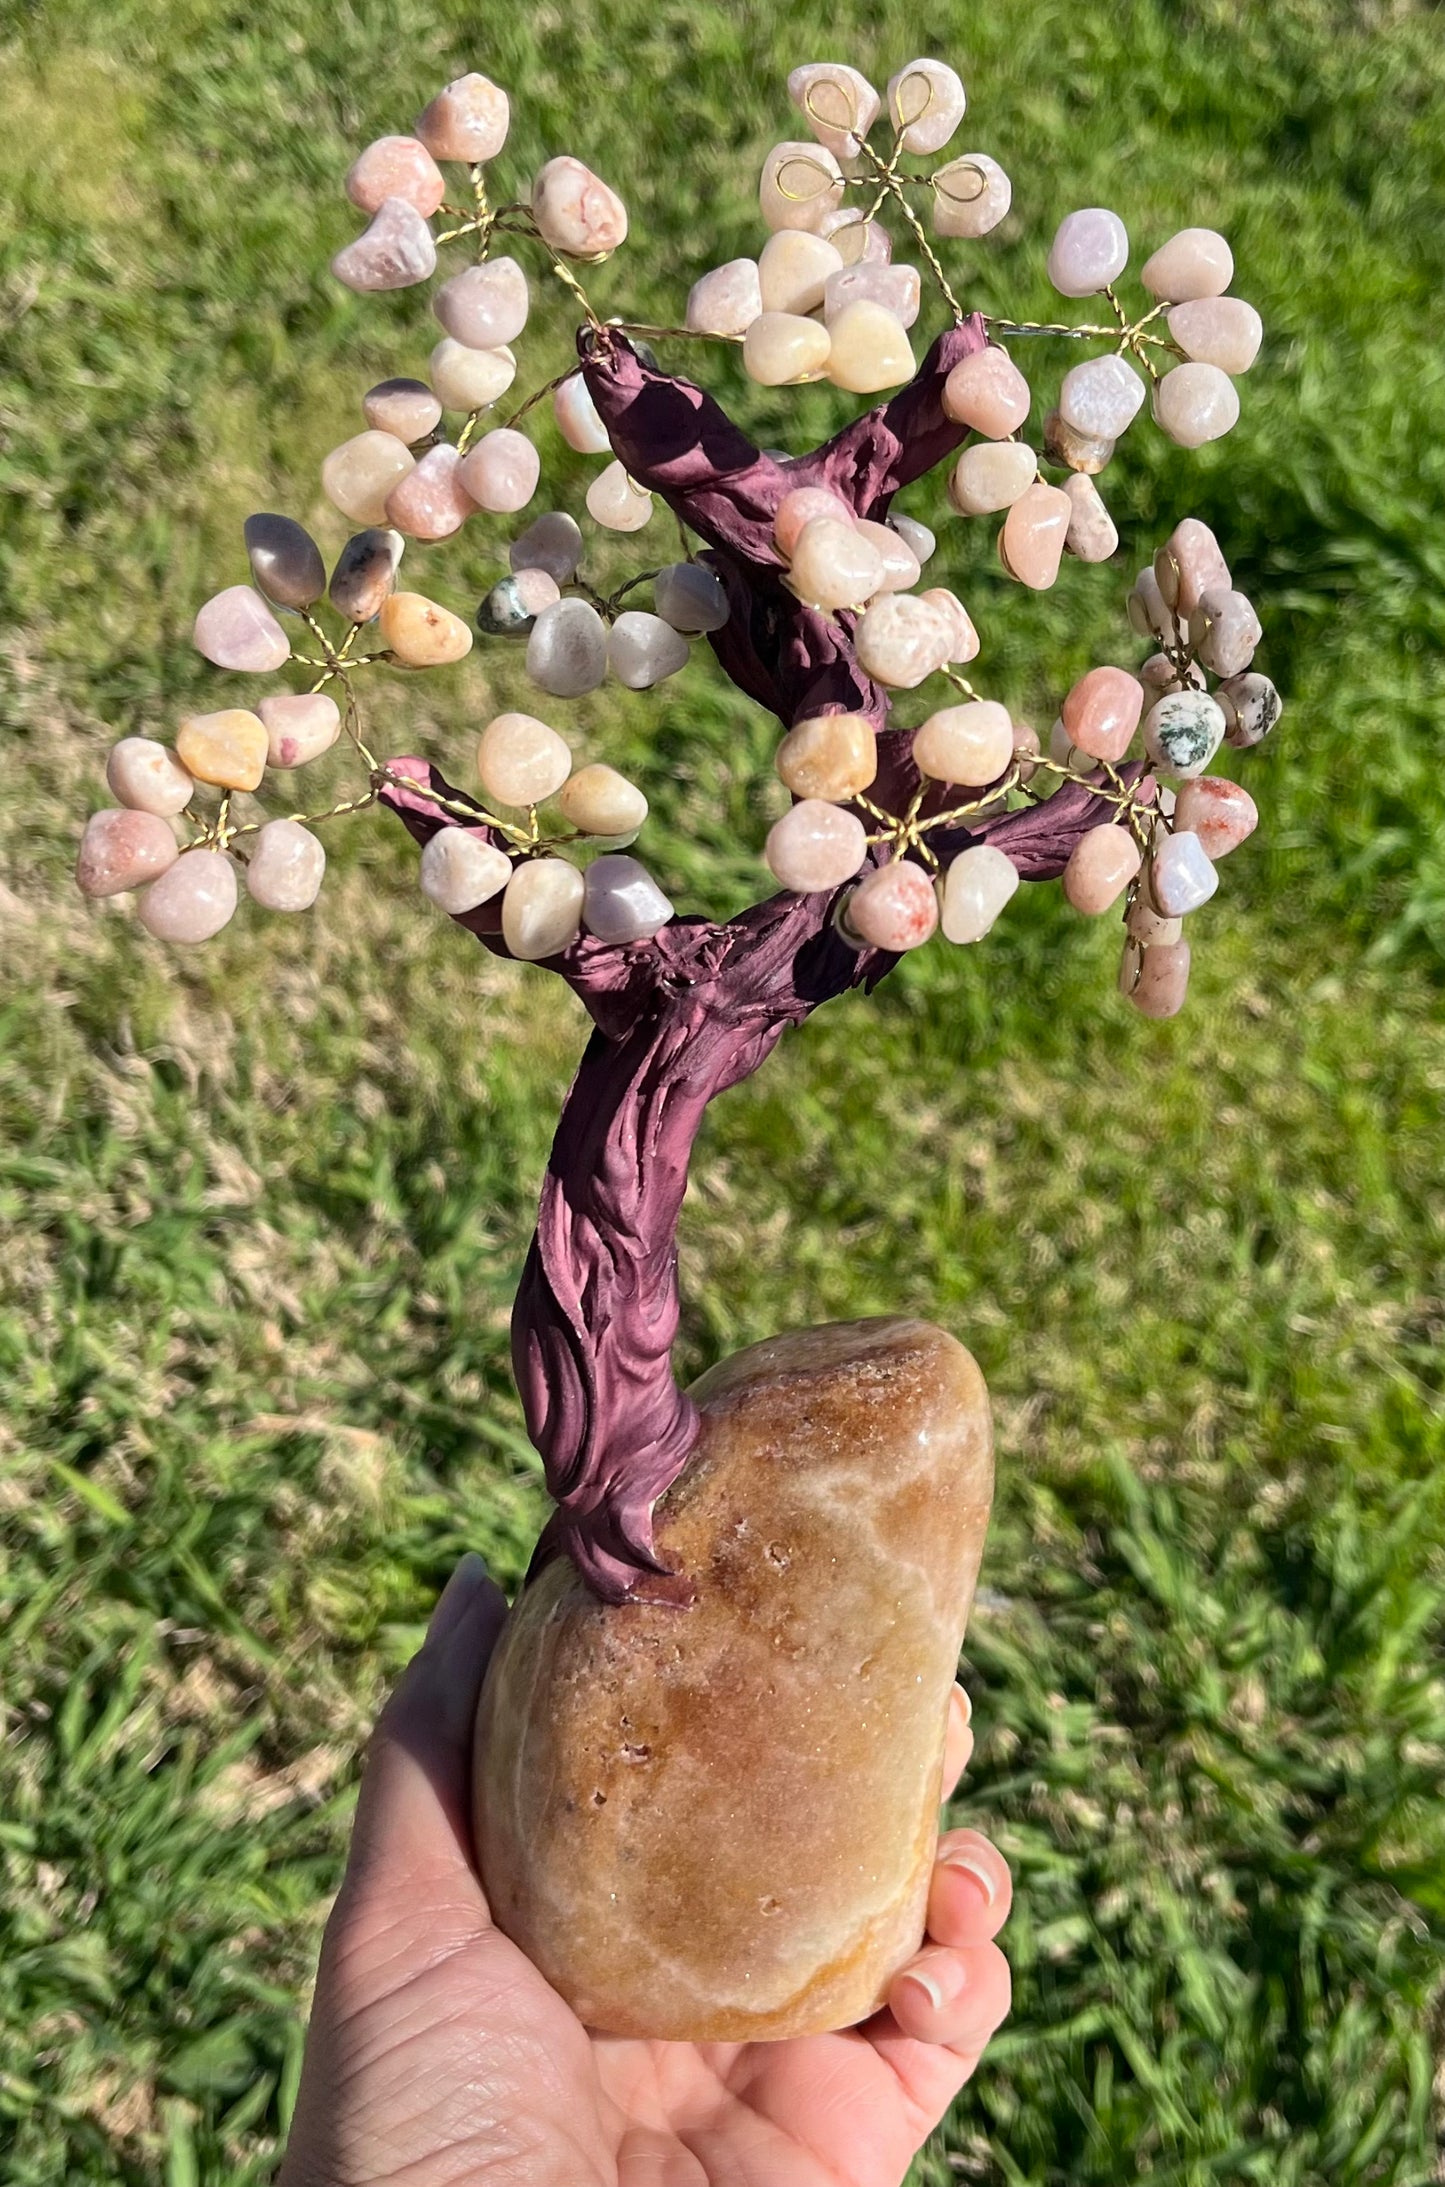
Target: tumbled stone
[1090, 249]
[801, 182]
[971, 195]
[915, 536]
[1065, 753]
[1183, 731]
[1199, 563]
[1218, 330]
[621, 901]
[466, 121]
[521, 761]
[859, 242]
[963, 639]
[901, 568]
[727, 300]
[828, 756]
[236, 629]
[1219, 812]
[485, 306]
[642, 649]
[691, 597]
[551, 542]
[1149, 613]
[122, 848]
[926, 103]
[794, 268]
[1100, 867]
[1192, 264]
[431, 502]
[1196, 403]
[577, 417]
[834, 565]
[1182, 876]
[285, 560]
[1162, 981]
[396, 167]
[1087, 453]
[1092, 534]
[870, 349]
[227, 749]
[1252, 707]
[285, 866]
[147, 778]
[407, 409]
[617, 502]
[567, 649]
[1159, 674]
[470, 379]
[597, 800]
[1101, 397]
[970, 744]
[459, 869]
[838, 103]
[192, 900]
[781, 349]
[395, 251]
[988, 393]
[992, 475]
[511, 607]
[901, 639]
[897, 289]
[977, 885]
[365, 573]
[815, 846]
[1224, 631]
[575, 211]
[420, 633]
[895, 907]
[357, 477]
[1032, 540]
[1145, 923]
[500, 471]
[801, 507]
[542, 909]
[1027, 748]
[1102, 712]
[299, 725]
[616, 1743]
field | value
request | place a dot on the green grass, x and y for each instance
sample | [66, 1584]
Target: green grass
[264, 1206]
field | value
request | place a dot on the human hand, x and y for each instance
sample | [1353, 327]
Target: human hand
[438, 2055]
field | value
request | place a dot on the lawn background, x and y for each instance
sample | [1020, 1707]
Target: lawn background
[264, 1204]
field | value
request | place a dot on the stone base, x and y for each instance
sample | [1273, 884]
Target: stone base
[718, 1824]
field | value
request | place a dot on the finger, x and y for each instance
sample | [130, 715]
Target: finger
[970, 1892]
[952, 1997]
[957, 1741]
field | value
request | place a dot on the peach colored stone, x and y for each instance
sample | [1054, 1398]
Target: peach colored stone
[394, 252]
[300, 726]
[977, 885]
[1163, 980]
[500, 471]
[484, 306]
[1085, 452]
[815, 846]
[1218, 330]
[599, 801]
[617, 501]
[901, 638]
[800, 507]
[901, 566]
[1251, 707]
[542, 909]
[459, 870]
[1092, 534]
[396, 167]
[971, 195]
[577, 418]
[470, 379]
[781, 348]
[971, 744]
[793, 270]
[521, 761]
[895, 907]
[122, 848]
[727, 299]
[926, 103]
[988, 393]
[1197, 262]
[1089, 250]
[143, 775]
[991, 475]
[466, 121]
[1218, 811]
[357, 477]
[1224, 631]
[1032, 540]
[407, 409]
[870, 348]
[643, 650]
[672, 1871]
[963, 639]
[236, 629]
[575, 211]
[859, 242]
[835, 565]
[285, 867]
[420, 634]
[193, 899]
[1196, 403]
[838, 103]
[1102, 712]
[227, 749]
[431, 501]
[897, 288]
[1199, 563]
[1101, 397]
[1100, 867]
[830, 756]
[801, 183]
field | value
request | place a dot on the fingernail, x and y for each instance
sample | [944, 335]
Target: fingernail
[932, 1993]
[456, 1598]
[971, 1865]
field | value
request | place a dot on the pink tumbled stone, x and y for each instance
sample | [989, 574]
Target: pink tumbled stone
[1200, 562]
[894, 907]
[1092, 534]
[1101, 397]
[1032, 540]
[1194, 263]
[460, 870]
[815, 846]
[897, 288]
[857, 241]
[148, 778]
[535, 590]
[988, 393]
[971, 744]
[300, 726]
[1224, 631]
[926, 103]
[236, 629]
[396, 167]
[1218, 330]
[192, 900]
[121, 848]
[800, 185]
[726, 300]
[963, 639]
[971, 195]
[578, 420]
[1219, 812]
[991, 475]
[1101, 865]
[901, 638]
[1162, 980]
[395, 252]
[1196, 403]
[575, 211]
[286, 866]
[1102, 712]
[901, 566]
[467, 121]
[1181, 874]
[431, 502]
[838, 103]
[1090, 249]
[501, 471]
[484, 306]
[800, 508]
[406, 409]
[977, 885]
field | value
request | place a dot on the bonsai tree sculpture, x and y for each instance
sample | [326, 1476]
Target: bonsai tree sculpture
[807, 1521]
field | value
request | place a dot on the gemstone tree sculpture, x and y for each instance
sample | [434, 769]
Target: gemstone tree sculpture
[713, 1731]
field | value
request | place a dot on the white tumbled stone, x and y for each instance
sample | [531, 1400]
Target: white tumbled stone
[459, 870]
[521, 761]
[542, 909]
[621, 901]
[285, 866]
[642, 649]
[977, 885]
[567, 649]
[617, 502]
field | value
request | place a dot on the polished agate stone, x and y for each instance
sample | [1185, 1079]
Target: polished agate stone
[501, 471]
[365, 573]
[901, 567]
[894, 907]
[1251, 707]
[430, 502]
[1102, 712]
[236, 629]
[396, 167]
[542, 909]
[1197, 262]
[970, 744]
[123, 847]
[801, 183]
[520, 760]
[470, 379]
[621, 902]
[551, 542]
[781, 347]
[285, 560]
[1064, 443]
[963, 640]
[1161, 982]
[1031, 543]
[358, 476]
[799, 507]
[861, 242]
[1218, 330]
[1090, 249]
[193, 899]
[987, 392]
[617, 502]
[227, 748]
[484, 306]
[1218, 811]
[599, 801]
[643, 649]
[1101, 397]
[1181, 874]
[577, 418]
[567, 649]
[459, 870]
[1100, 867]
[143, 775]
[1196, 403]
[691, 597]
[870, 349]
[835, 565]
[420, 633]
[991, 475]
[901, 638]
[718, 1823]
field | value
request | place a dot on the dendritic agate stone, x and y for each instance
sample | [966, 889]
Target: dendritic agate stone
[718, 1823]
